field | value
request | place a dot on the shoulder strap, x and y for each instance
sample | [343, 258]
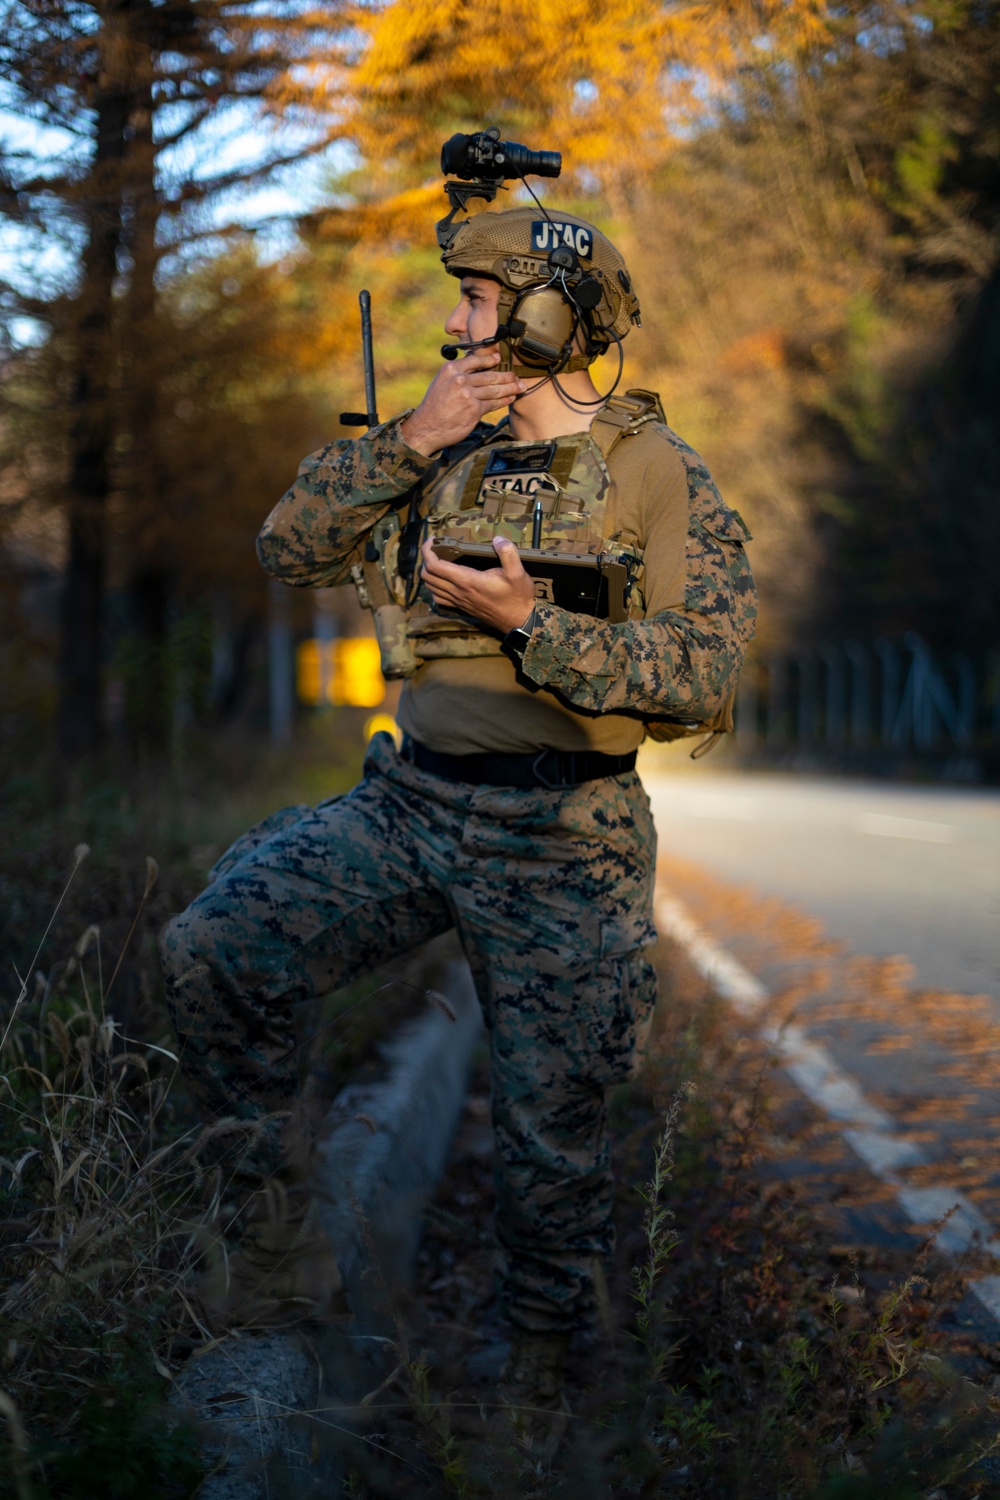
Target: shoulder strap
[620, 416]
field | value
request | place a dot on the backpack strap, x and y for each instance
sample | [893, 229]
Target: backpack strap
[621, 416]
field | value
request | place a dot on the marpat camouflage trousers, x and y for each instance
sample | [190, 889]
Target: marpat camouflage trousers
[551, 895]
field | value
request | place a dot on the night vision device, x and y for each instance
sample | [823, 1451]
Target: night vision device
[482, 162]
[485, 155]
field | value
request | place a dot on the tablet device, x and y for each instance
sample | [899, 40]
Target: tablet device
[582, 582]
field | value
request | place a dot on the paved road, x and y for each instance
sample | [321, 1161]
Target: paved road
[889, 869]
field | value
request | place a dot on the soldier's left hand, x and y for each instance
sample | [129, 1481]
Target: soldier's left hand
[502, 597]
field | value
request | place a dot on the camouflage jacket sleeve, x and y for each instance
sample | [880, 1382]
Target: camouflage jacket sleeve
[312, 535]
[681, 658]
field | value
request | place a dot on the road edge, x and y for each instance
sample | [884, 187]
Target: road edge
[867, 1130]
[265, 1404]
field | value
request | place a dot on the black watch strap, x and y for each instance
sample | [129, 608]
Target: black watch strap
[515, 642]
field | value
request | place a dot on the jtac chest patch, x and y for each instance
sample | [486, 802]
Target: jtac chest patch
[546, 234]
[520, 469]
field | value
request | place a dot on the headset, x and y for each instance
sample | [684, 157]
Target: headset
[544, 320]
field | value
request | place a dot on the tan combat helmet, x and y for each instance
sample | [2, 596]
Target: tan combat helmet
[556, 273]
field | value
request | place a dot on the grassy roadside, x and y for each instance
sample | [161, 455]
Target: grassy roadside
[183, 814]
[752, 1356]
[111, 1191]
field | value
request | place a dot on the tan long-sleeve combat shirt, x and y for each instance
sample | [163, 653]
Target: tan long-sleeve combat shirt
[584, 683]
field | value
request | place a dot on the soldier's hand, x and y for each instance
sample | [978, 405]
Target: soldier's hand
[502, 597]
[460, 395]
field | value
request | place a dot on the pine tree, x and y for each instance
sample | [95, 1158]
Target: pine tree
[112, 93]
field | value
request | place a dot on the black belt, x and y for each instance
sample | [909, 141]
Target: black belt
[549, 768]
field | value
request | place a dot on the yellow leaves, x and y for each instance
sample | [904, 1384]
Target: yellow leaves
[533, 66]
[612, 84]
[397, 217]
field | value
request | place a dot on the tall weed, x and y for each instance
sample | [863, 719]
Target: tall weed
[105, 1205]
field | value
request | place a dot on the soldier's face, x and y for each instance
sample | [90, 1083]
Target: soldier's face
[475, 317]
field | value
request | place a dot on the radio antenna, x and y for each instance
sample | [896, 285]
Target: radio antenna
[367, 418]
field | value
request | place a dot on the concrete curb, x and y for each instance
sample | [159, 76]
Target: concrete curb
[272, 1407]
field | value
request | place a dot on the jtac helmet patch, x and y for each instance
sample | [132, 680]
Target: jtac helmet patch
[546, 234]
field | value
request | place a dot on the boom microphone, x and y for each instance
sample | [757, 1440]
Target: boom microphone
[452, 351]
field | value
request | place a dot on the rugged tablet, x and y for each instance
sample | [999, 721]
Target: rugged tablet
[585, 583]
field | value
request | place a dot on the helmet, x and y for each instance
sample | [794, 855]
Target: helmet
[557, 274]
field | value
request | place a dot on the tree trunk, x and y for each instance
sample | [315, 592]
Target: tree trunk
[149, 571]
[80, 718]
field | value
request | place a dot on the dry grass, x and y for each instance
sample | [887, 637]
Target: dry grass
[105, 1205]
[111, 1190]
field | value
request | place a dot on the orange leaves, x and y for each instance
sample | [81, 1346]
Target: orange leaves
[611, 84]
[755, 352]
[385, 220]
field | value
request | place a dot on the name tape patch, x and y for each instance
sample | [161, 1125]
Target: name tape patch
[547, 234]
[520, 460]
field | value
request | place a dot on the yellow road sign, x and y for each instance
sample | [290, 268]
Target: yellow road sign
[342, 671]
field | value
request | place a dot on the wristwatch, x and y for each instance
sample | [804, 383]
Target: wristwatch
[515, 642]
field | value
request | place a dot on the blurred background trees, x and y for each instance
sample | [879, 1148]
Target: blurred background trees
[131, 127]
[808, 193]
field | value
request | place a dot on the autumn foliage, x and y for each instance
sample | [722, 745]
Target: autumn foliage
[806, 193]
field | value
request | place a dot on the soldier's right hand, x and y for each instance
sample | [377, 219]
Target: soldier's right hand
[460, 395]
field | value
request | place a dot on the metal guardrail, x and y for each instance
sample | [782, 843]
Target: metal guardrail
[878, 697]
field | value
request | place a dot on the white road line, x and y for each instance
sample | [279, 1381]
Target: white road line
[724, 973]
[888, 827]
[819, 1078]
[868, 1130]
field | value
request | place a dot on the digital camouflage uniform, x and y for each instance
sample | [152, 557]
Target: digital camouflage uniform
[550, 890]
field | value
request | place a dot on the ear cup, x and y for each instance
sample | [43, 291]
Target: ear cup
[542, 324]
